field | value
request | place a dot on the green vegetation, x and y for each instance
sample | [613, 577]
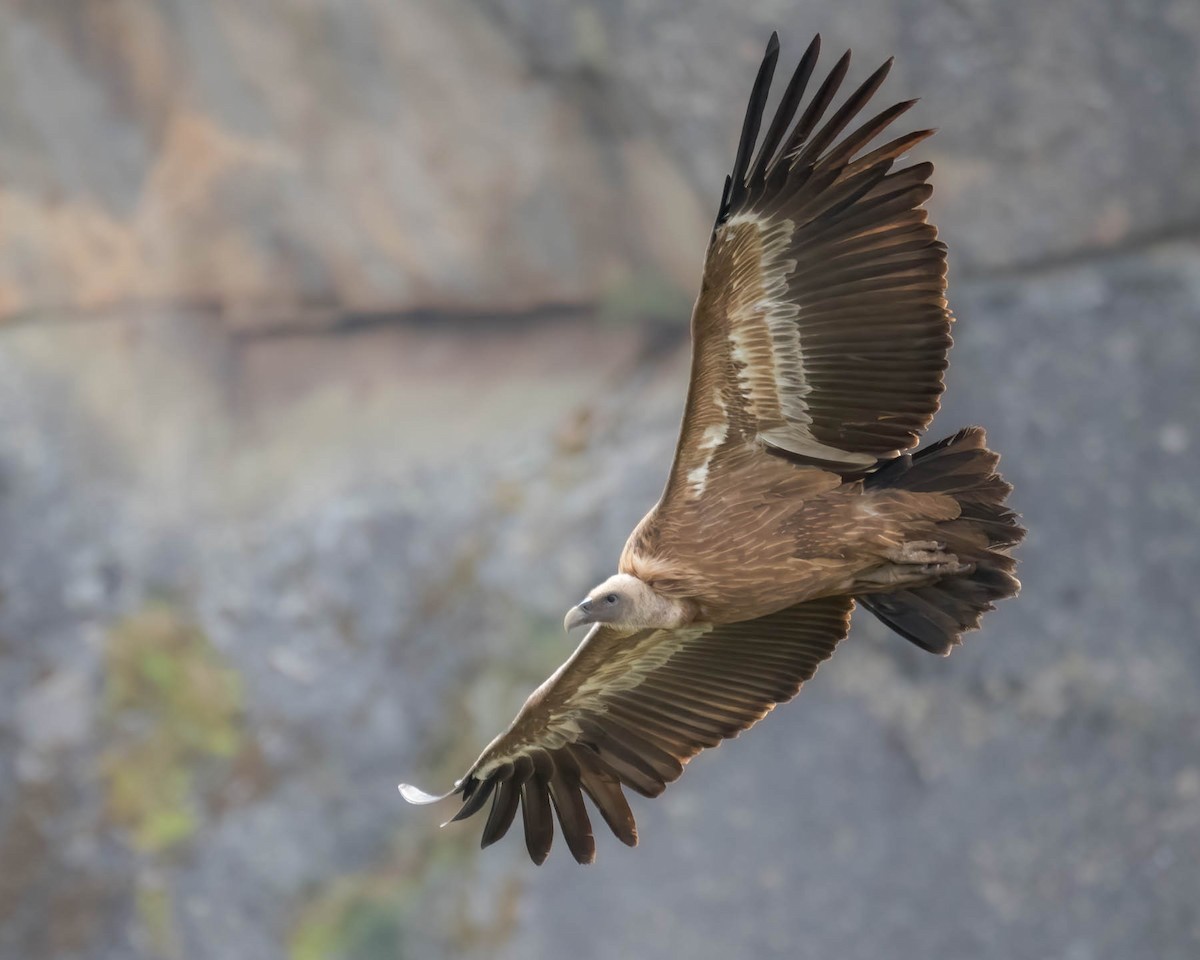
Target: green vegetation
[154, 910]
[358, 917]
[367, 915]
[170, 705]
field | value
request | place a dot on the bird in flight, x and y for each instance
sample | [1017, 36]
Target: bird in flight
[819, 341]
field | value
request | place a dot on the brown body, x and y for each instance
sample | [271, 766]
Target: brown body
[789, 535]
[819, 342]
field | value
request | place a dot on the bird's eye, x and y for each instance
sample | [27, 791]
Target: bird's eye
[611, 598]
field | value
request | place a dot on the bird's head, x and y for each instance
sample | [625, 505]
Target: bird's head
[622, 601]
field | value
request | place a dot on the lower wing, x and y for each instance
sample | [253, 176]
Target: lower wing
[630, 711]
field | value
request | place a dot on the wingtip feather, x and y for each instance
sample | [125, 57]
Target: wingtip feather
[416, 795]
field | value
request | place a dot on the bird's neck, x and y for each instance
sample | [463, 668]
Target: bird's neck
[665, 612]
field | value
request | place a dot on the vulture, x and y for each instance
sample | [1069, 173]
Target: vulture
[819, 342]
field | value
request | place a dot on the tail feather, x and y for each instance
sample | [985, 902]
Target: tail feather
[936, 616]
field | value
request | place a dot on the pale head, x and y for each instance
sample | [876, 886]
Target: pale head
[626, 603]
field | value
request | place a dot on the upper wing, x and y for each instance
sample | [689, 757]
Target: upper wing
[821, 328]
[632, 710]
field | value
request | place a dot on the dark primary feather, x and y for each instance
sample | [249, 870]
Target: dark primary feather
[475, 796]
[567, 799]
[535, 812]
[603, 788]
[786, 110]
[750, 126]
[812, 113]
[837, 123]
[503, 812]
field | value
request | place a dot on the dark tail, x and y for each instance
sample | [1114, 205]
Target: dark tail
[936, 616]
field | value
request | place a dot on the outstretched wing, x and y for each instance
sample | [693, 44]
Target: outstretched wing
[630, 711]
[821, 328]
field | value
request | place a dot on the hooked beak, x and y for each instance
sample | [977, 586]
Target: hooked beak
[578, 615]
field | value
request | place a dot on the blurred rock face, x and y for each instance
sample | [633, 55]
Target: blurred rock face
[343, 345]
[317, 156]
[279, 159]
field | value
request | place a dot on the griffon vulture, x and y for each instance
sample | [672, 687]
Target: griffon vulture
[819, 341]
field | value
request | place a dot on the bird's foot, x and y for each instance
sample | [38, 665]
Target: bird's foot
[952, 568]
[924, 552]
[914, 563]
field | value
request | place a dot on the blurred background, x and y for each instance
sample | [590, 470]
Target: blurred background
[342, 344]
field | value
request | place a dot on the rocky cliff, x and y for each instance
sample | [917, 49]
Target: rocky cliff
[341, 344]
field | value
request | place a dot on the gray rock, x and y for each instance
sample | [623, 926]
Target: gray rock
[366, 525]
[1062, 128]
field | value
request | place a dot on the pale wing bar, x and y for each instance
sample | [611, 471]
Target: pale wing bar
[579, 735]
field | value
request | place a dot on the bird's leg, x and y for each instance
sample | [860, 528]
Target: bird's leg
[914, 562]
[922, 552]
[929, 557]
